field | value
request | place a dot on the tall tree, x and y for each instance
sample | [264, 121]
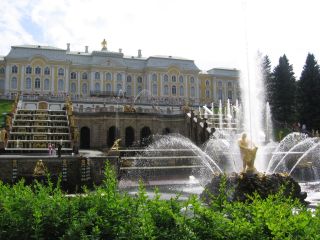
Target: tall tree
[309, 94]
[267, 77]
[283, 92]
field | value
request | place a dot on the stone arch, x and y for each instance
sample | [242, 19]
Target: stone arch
[85, 138]
[129, 137]
[112, 135]
[166, 131]
[145, 136]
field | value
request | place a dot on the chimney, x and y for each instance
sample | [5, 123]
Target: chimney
[68, 47]
[139, 53]
[86, 49]
[120, 50]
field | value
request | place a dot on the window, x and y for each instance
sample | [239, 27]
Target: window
[165, 78]
[37, 83]
[219, 84]
[139, 89]
[1, 70]
[84, 76]
[28, 83]
[128, 91]
[109, 89]
[46, 84]
[97, 76]
[129, 79]
[73, 75]
[38, 70]
[119, 77]
[28, 70]
[154, 77]
[73, 87]
[108, 76]
[220, 94]
[174, 90]
[207, 83]
[229, 94]
[154, 89]
[229, 84]
[207, 93]
[14, 69]
[47, 71]
[139, 79]
[181, 91]
[119, 88]
[192, 92]
[61, 72]
[181, 79]
[84, 89]
[97, 87]
[60, 85]
[166, 90]
[174, 78]
[192, 79]
[14, 83]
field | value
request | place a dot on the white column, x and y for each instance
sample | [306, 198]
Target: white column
[79, 83]
[133, 79]
[101, 81]
[91, 88]
[22, 79]
[7, 80]
[67, 80]
[197, 89]
[149, 82]
[52, 79]
[114, 82]
[185, 77]
[161, 85]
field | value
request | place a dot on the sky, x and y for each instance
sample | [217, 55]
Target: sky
[213, 33]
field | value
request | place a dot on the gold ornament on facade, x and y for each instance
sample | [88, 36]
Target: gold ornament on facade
[104, 44]
[40, 169]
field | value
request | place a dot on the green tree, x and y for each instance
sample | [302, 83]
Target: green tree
[283, 88]
[267, 77]
[309, 94]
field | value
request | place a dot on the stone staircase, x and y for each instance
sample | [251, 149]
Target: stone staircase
[33, 130]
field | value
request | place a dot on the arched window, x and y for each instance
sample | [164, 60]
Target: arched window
[173, 78]
[84, 75]
[97, 76]
[154, 89]
[37, 83]
[97, 87]
[139, 89]
[139, 79]
[60, 85]
[207, 93]
[37, 70]
[207, 83]
[230, 94]
[174, 90]
[181, 91]
[119, 87]
[61, 72]
[46, 85]
[166, 90]
[229, 84]
[73, 75]
[14, 69]
[119, 77]
[181, 79]
[28, 83]
[28, 70]
[1, 70]
[154, 77]
[192, 79]
[128, 91]
[219, 84]
[109, 88]
[220, 94]
[73, 87]
[47, 71]
[84, 89]
[14, 83]
[165, 78]
[129, 79]
[192, 92]
[108, 76]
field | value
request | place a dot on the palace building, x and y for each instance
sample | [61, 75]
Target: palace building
[44, 70]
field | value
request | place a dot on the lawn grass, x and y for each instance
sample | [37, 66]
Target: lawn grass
[5, 107]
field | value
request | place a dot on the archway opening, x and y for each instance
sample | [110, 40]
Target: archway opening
[145, 136]
[129, 138]
[113, 133]
[85, 138]
[166, 131]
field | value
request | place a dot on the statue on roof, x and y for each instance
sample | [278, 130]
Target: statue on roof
[104, 44]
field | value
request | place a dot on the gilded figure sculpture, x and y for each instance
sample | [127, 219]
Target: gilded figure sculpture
[116, 145]
[40, 169]
[248, 154]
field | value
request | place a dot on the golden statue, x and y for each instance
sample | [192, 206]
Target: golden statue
[104, 44]
[129, 108]
[248, 154]
[116, 145]
[40, 169]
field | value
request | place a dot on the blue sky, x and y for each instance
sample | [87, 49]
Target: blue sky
[211, 32]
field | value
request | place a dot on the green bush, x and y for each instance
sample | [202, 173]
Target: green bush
[45, 212]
